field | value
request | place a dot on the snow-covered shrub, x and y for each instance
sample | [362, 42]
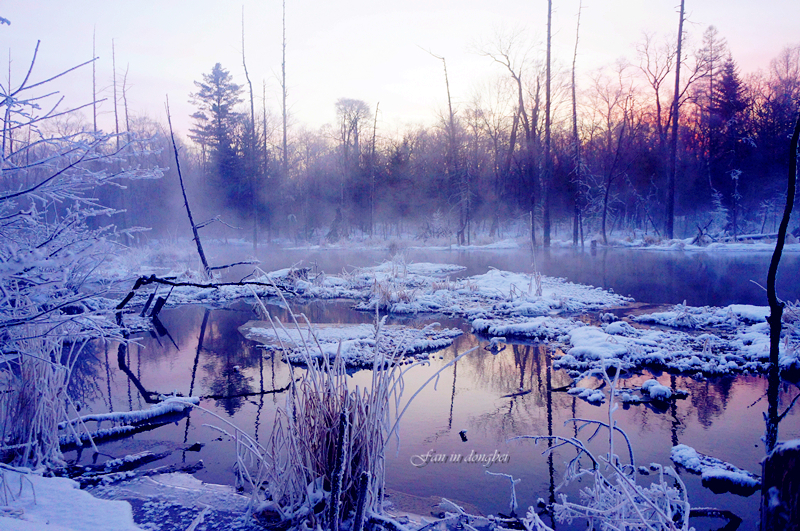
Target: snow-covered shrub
[612, 497]
[324, 462]
[54, 234]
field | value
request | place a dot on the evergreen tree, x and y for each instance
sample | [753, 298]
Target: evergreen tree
[218, 130]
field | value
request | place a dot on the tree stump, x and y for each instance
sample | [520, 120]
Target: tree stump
[780, 488]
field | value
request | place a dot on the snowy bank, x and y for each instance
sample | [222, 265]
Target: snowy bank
[36, 503]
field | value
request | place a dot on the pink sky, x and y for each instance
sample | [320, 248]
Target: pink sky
[352, 48]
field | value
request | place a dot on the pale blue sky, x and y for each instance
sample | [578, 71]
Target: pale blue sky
[363, 49]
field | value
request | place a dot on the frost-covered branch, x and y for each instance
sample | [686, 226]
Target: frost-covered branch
[52, 241]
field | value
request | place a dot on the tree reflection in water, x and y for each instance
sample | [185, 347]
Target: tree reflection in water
[493, 397]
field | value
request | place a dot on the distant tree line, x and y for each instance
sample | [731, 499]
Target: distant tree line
[482, 169]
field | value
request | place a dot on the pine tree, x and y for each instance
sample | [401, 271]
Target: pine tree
[217, 130]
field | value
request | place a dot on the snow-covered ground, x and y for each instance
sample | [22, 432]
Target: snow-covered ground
[705, 340]
[30, 502]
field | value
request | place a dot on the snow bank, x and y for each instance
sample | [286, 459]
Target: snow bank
[542, 328]
[37, 503]
[656, 391]
[740, 342]
[682, 316]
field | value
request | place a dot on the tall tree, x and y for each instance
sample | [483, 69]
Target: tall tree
[712, 55]
[673, 149]
[577, 224]
[215, 127]
[352, 116]
[250, 146]
[506, 51]
[548, 162]
[285, 152]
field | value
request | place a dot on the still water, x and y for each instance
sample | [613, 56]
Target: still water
[655, 277]
[492, 397]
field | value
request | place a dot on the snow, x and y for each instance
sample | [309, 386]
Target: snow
[356, 344]
[656, 391]
[715, 470]
[543, 328]
[793, 445]
[181, 501]
[592, 344]
[683, 316]
[739, 342]
[57, 504]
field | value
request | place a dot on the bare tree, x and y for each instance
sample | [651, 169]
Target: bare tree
[577, 222]
[548, 162]
[656, 62]
[372, 171]
[250, 148]
[285, 153]
[510, 52]
[50, 256]
[673, 149]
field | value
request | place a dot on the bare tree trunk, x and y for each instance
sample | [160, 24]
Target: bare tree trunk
[114, 81]
[94, 82]
[125, 99]
[548, 163]
[116, 130]
[775, 305]
[372, 173]
[452, 160]
[575, 140]
[283, 95]
[200, 252]
[673, 149]
[265, 152]
[250, 149]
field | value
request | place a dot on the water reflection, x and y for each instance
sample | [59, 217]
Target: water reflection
[710, 397]
[491, 397]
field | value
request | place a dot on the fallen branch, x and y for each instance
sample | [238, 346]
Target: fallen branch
[115, 477]
[185, 200]
[170, 281]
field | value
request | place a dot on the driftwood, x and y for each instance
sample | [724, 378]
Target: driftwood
[171, 281]
[115, 477]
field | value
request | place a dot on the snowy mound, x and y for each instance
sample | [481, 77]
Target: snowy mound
[358, 345]
[740, 342]
[717, 475]
[682, 316]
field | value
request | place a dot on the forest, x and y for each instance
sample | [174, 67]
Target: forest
[482, 168]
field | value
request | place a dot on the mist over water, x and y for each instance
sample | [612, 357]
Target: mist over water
[649, 276]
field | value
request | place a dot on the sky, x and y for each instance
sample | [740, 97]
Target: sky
[362, 49]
